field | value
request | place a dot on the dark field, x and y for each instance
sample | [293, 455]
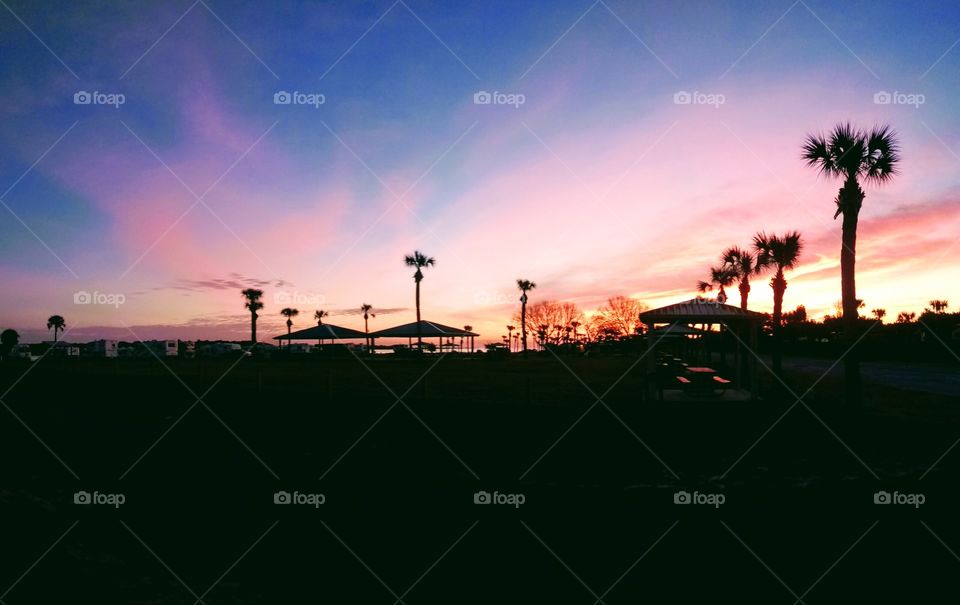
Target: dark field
[399, 477]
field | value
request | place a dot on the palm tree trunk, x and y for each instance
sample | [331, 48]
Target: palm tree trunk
[850, 198]
[779, 287]
[744, 293]
[419, 330]
[523, 326]
[253, 329]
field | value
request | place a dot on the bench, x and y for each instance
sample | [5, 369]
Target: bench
[722, 382]
[684, 381]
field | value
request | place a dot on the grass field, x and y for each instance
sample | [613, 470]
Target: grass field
[399, 447]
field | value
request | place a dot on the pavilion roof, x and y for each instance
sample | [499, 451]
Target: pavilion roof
[428, 329]
[326, 332]
[698, 310]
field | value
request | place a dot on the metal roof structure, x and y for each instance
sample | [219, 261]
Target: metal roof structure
[325, 332]
[677, 329]
[699, 310]
[428, 329]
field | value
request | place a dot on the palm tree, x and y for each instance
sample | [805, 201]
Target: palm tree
[743, 264]
[525, 285]
[575, 325]
[852, 154]
[780, 253]
[420, 261]
[469, 329]
[510, 330]
[58, 323]
[319, 315]
[254, 304]
[366, 323]
[720, 277]
[289, 314]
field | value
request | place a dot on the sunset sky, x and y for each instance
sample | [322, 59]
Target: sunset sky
[600, 183]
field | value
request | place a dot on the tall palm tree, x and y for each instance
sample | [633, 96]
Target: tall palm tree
[58, 323]
[743, 264]
[720, 277]
[420, 261]
[525, 285]
[779, 253]
[366, 323]
[852, 155]
[289, 314]
[510, 330]
[469, 329]
[254, 304]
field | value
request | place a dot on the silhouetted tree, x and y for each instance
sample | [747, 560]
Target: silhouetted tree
[905, 317]
[57, 323]
[743, 264]
[525, 285]
[620, 315]
[289, 314]
[879, 314]
[254, 304]
[9, 339]
[319, 315]
[939, 306]
[852, 155]
[797, 316]
[510, 330]
[469, 329]
[420, 261]
[367, 314]
[779, 253]
[720, 277]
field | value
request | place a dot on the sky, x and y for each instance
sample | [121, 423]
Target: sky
[623, 147]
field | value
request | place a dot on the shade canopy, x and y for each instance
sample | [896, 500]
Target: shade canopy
[428, 329]
[325, 332]
[676, 329]
[699, 311]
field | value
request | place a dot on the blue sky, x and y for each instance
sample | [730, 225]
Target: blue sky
[308, 197]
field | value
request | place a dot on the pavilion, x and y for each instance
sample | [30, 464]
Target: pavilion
[322, 332]
[427, 329]
[744, 324]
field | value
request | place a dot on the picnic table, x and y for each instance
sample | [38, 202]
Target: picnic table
[702, 380]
